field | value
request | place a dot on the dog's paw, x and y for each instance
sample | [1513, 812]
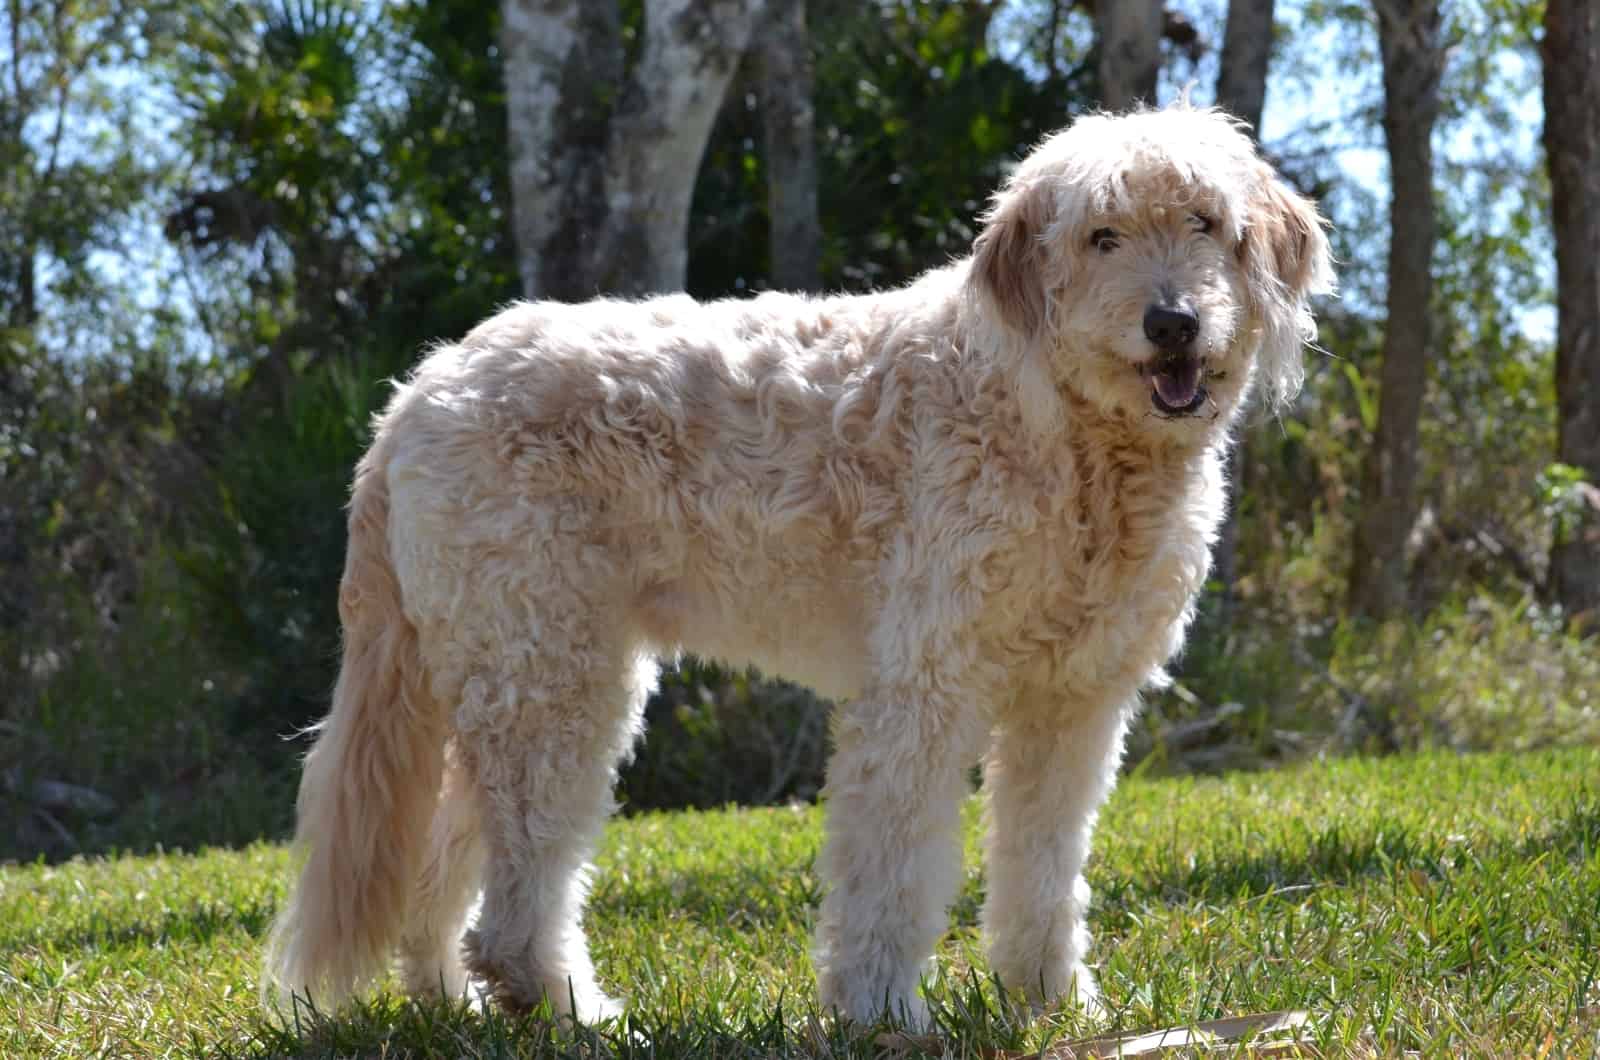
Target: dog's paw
[909, 1016]
[594, 1007]
[1072, 987]
[912, 1014]
[1082, 993]
[520, 987]
[859, 1004]
[583, 1003]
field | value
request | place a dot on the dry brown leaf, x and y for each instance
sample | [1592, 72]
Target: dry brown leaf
[1265, 1035]
[1205, 1037]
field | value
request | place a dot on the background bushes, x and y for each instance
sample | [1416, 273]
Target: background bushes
[177, 427]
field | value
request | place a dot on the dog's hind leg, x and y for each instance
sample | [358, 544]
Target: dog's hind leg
[542, 734]
[430, 950]
[1046, 777]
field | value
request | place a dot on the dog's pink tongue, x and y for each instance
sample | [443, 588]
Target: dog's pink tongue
[1178, 381]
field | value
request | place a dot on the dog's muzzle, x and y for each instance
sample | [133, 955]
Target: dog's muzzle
[1177, 373]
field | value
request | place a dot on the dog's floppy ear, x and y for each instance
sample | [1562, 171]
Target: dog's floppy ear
[1009, 260]
[1284, 237]
[1284, 250]
[1011, 276]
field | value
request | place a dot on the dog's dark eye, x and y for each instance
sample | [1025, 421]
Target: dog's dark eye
[1104, 240]
[1202, 222]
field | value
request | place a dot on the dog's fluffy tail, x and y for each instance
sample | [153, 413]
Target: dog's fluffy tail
[370, 781]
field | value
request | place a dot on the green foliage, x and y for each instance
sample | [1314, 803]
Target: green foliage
[908, 155]
[1483, 673]
[714, 737]
[280, 204]
[1488, 418]
[171, 528]
[107, 682]
[1563, 497]
[61, 197]
[448, 156]
[264, 556]
[1439, 903]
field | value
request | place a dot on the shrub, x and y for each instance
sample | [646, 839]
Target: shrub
[1480, 674]
[714, 736]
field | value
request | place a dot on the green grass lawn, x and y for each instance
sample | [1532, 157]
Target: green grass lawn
[1434, 903]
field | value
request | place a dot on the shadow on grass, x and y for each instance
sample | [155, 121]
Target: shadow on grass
[716, 899]
[391, 1027]
[231, 806]
[971, 1018]
[1338, 854]
[200, 922]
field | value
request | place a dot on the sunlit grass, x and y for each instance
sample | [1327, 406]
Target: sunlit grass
[1434, 903]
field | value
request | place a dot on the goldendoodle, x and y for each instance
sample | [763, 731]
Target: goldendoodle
[975, 511]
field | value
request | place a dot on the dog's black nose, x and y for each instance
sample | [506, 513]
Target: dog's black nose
[1170, 327]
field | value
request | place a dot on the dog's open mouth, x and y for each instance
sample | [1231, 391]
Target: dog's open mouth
[1177, 383]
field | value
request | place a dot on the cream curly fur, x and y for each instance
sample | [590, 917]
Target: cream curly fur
[952, 507]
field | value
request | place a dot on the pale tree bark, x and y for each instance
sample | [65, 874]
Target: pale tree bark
[1571, 53]
[563, 67]
[1130, 51]
[1242, 91]
[1410, 39]
[604, 157]
[787, 87]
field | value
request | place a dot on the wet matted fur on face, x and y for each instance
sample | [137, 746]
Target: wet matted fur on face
[975, 511]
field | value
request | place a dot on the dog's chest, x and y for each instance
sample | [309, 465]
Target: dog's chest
[1103, 585]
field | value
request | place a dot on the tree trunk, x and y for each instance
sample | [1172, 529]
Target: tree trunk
[1409, 37]
[787, 88]
[1571, 53]
[1242, 91]
[1246, 46]
[1130, 51]
[603, 159]
[563, 65]
[25, 313]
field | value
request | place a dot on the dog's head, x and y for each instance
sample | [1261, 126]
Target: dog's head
[1154, 264]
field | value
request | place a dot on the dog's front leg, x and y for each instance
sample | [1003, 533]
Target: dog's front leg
[1049, 771]
[893, 855]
